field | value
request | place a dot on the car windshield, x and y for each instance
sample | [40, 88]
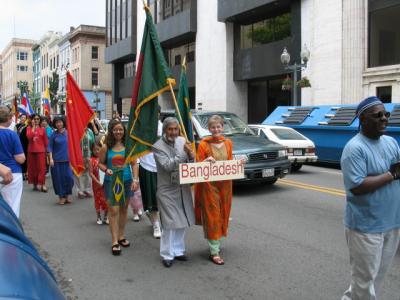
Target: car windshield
[287, 134]
[232, 124]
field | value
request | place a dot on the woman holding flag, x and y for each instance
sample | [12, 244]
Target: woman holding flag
[119, 184]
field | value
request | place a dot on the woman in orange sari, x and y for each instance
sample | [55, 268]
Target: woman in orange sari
[213, 199]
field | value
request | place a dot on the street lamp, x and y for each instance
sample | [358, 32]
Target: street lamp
[96, 99]
[294, 68]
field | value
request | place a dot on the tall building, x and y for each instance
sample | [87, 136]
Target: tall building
[233, 49]
[87, 46]
[121, 47]
[36, 91]
[17, 63]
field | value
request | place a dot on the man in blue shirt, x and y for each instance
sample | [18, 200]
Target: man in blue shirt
[11, 156]
[371, 169]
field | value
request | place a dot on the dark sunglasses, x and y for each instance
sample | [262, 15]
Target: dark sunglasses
[380, 114]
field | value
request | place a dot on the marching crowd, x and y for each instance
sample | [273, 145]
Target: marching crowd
[150, 184]
[370, 164]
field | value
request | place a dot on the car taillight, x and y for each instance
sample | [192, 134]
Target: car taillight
[310, 150]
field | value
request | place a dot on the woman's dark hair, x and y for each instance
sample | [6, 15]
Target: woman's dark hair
[33, 116]
[44, 118]
[59, 118]
[110, 140]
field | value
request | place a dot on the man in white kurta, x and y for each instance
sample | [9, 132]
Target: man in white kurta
[175, 202]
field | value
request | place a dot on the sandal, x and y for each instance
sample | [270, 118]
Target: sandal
[68, 200]
[81, 195]
[44, 189]
[35, 188]
[124, 242]
[116, 249]
[61, 201]
[216, 259]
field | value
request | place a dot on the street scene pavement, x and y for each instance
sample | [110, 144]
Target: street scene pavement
[285, 241]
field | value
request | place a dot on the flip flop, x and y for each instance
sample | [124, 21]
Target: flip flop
[115, 249]
[124, 243]
[216, 259]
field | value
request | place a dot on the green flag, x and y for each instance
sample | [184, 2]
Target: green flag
[184, 105]
[152, 79]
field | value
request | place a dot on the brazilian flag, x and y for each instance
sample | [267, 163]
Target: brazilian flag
[117, 185]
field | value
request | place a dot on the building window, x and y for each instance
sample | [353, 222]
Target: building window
[95, 52]
[22, 55]
[95, 76]
[22, 68]
[129, 69]
[175, 56]
[177, 60]
[265, 31]
[384, 36]
[384, 93]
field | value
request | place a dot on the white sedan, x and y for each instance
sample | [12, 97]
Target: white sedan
[299, 148]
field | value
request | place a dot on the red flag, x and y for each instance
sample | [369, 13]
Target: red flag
[79, 114]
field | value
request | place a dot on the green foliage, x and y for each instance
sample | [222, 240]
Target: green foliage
[303, 82]
[273, 29]
[53, 88]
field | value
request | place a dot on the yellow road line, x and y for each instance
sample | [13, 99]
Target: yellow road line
[332, 191]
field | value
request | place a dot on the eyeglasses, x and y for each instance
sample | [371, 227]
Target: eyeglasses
[380, 114]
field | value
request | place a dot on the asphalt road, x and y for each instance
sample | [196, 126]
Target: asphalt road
[286, 241]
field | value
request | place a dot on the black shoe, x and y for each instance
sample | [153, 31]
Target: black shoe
[181, 258]
[167, 263]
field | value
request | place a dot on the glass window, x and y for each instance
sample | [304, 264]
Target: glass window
[95, 76]
[95, 52]
[384, 93]
[22, 68]
[384, 37]
[287, 134]
[265, 31]
[232, 124]
[21, 55]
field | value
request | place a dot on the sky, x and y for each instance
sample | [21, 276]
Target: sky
[33, 18]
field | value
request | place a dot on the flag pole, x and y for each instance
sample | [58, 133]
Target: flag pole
[176, 106]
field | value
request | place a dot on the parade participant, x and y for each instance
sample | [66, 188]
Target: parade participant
[45, 124]
[148, 186]
[136, 205]
[5, 175]
[100, 203]
[112, 161]
[82, 182]
[11, 156]
[37, 154]
[21, 130]
[371, 173]
[60, 170]
[174, 200]
[213, 200]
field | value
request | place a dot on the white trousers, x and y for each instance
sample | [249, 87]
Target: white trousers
[172, 243]
[83, 182]
[12, 192]
[371, 255]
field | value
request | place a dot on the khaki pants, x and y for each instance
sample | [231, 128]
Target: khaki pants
[370, 257]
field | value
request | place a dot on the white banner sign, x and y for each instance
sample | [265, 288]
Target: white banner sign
[209, 171]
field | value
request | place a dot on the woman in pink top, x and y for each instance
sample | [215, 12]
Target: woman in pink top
[37, 154]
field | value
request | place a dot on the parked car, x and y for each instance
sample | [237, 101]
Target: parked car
[300, 149]
[266, 160]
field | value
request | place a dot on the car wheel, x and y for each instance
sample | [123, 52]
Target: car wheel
[296, 167]
[271, 181]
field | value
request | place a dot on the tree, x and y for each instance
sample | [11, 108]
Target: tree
[53, 88]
